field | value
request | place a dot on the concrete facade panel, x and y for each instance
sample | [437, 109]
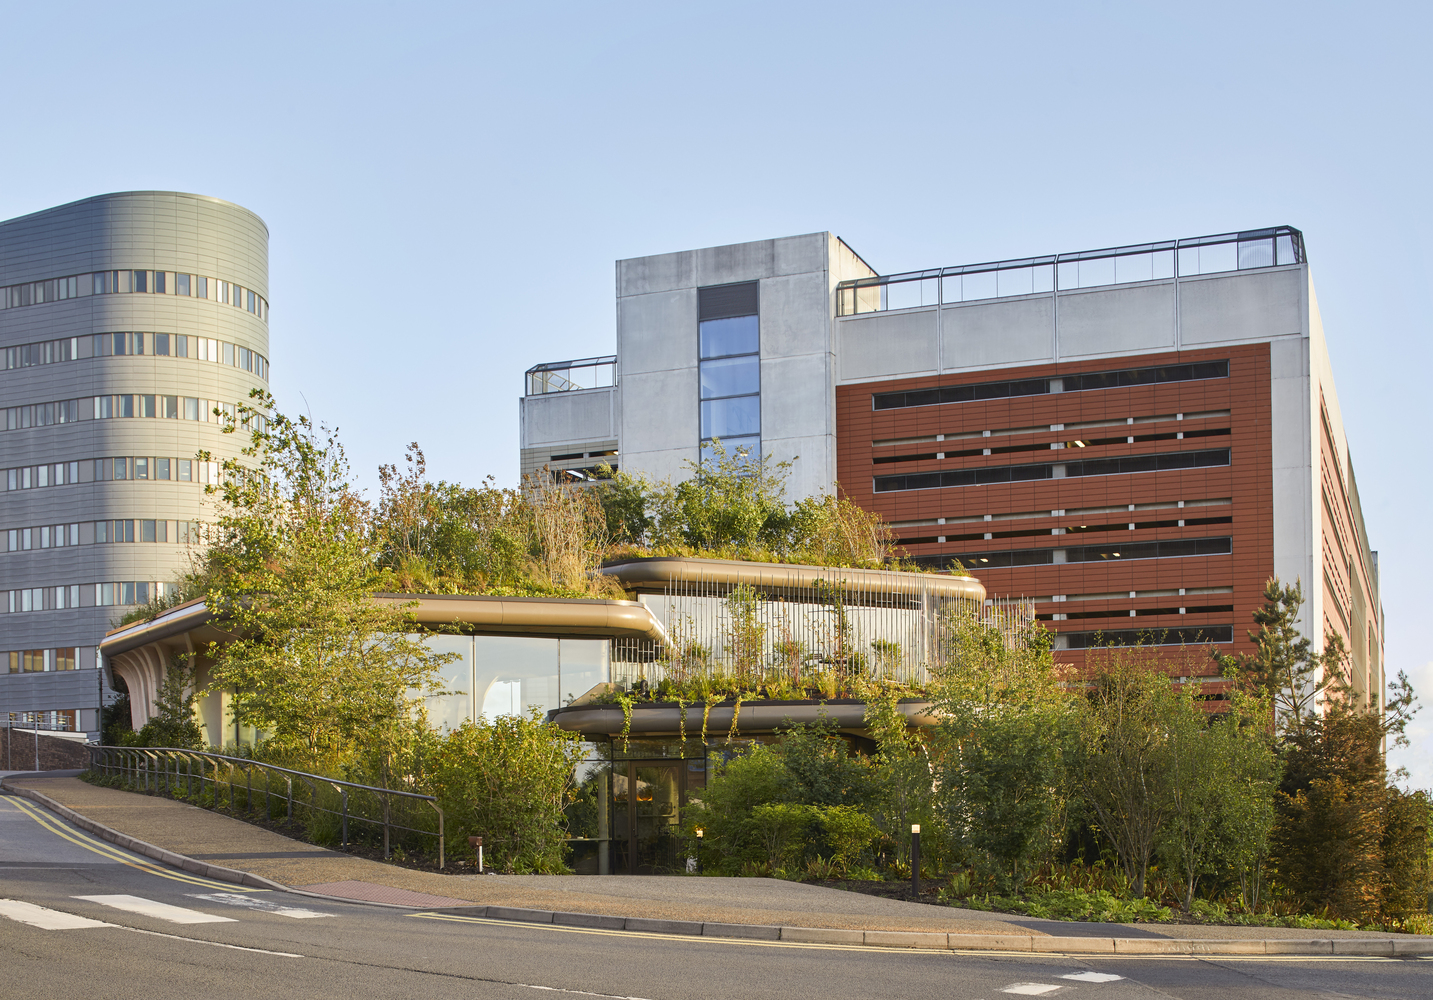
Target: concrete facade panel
[657, 332]
[658, 273]
[1116, 320]
[883, 344]
[585, 415]
[793, 316]
[668, 420]
[1241, 306]
[998, 333]
[737, 262]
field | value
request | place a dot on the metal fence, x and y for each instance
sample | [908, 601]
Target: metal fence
[320, 802]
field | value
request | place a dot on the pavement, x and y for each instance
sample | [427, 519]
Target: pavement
[224, 848]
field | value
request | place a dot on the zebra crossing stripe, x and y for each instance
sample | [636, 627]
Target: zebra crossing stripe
[249, 902]
[45, 919]
[161, 911]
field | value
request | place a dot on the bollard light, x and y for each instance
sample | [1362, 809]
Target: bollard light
[477, 844]
[916, 859]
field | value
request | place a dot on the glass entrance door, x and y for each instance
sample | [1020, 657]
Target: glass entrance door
[655, 818]
[646, 816]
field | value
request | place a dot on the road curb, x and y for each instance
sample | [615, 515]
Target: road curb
[217, 872]
[1390, 947]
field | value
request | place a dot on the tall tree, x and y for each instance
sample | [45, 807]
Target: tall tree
[310, 659]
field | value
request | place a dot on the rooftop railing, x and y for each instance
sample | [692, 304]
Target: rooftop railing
[1274, 247]
[565, 376]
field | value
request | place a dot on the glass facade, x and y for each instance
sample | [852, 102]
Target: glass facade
[729, 366]
[507, 675]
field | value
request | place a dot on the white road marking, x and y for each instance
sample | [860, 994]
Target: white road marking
[162, 911]
[1030, 989]
[46, 920]
[1093, 977]
[249, 902]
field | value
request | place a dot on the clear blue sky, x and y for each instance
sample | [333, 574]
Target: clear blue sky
[447, 186]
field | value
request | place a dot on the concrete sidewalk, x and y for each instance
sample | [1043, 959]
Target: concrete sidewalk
[230, 849]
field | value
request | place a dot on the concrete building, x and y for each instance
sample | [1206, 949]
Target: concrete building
[1190, 377]
[126, 321]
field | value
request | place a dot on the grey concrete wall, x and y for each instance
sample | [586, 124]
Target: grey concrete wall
[144, 230]
[660, 425]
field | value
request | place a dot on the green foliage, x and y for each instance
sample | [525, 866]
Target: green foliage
[309, 658]
[173, 723]
[1121, 760]
[508, 780]
[778, 809]
[1406, 856]
[733, 506]
[1222, 778]
[1001, 745]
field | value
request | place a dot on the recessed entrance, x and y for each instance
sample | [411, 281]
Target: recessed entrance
[648, 797]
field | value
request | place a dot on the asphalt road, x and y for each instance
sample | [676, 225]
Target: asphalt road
[80, 917]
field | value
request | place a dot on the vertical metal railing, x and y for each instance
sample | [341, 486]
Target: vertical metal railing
[157, 770]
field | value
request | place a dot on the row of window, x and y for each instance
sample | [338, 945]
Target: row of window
[1171, 548]
[83, 595]
[159, 345]
[1146, 637]
[36, 661]
[1041, 386]
[1068, 530]
[56, 536]
[1200, 609]
[198, 286]
[61, 720]
[68, 411]
[1052, 446]
[1025, 515]
[1120, 465]
[143, 467]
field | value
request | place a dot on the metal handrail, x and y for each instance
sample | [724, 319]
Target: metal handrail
[153, 767]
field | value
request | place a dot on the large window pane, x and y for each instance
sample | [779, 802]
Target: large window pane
[584, 665]
[729, 336]
[726, 418]
[731, 376]
[512, 674]
[451, 710]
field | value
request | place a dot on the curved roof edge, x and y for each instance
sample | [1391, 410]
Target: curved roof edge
[656, 573]
[121, 194]
[555, 616]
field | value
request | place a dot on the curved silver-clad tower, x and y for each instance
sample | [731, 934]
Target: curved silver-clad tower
[126, 321]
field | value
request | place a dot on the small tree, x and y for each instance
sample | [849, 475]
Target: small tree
[508, 780]
[310, 659]
[1121, 759]
[1000, 747]
[1221, 787]
[173, 723]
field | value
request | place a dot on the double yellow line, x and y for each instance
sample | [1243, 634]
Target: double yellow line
[114, 853]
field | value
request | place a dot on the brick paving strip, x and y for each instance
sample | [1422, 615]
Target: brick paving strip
[228, 849]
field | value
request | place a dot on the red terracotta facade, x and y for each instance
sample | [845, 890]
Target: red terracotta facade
[1233, 501]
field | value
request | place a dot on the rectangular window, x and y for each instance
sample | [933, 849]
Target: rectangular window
[65, 658]
[126, 593]
[201, 286]
[141, 468]
[101, 532]
[191, 408]
[159, 283]
[161, 468]
[229, 354]
[729, 370]
[121, 468]
[161, 345]
[181, 284]
[170, 410]
[126, 406]
[147, 406]
[146, 531]
[185, 470]
[141, 283]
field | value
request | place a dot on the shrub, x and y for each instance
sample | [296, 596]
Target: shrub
[508, 781]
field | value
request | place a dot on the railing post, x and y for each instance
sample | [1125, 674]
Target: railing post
[343, 795]
[249, 786]
[440, 833]
[385, 826]
[231, 787]
[290, 780]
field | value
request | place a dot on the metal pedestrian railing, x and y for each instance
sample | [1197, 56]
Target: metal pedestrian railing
[323, 804]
